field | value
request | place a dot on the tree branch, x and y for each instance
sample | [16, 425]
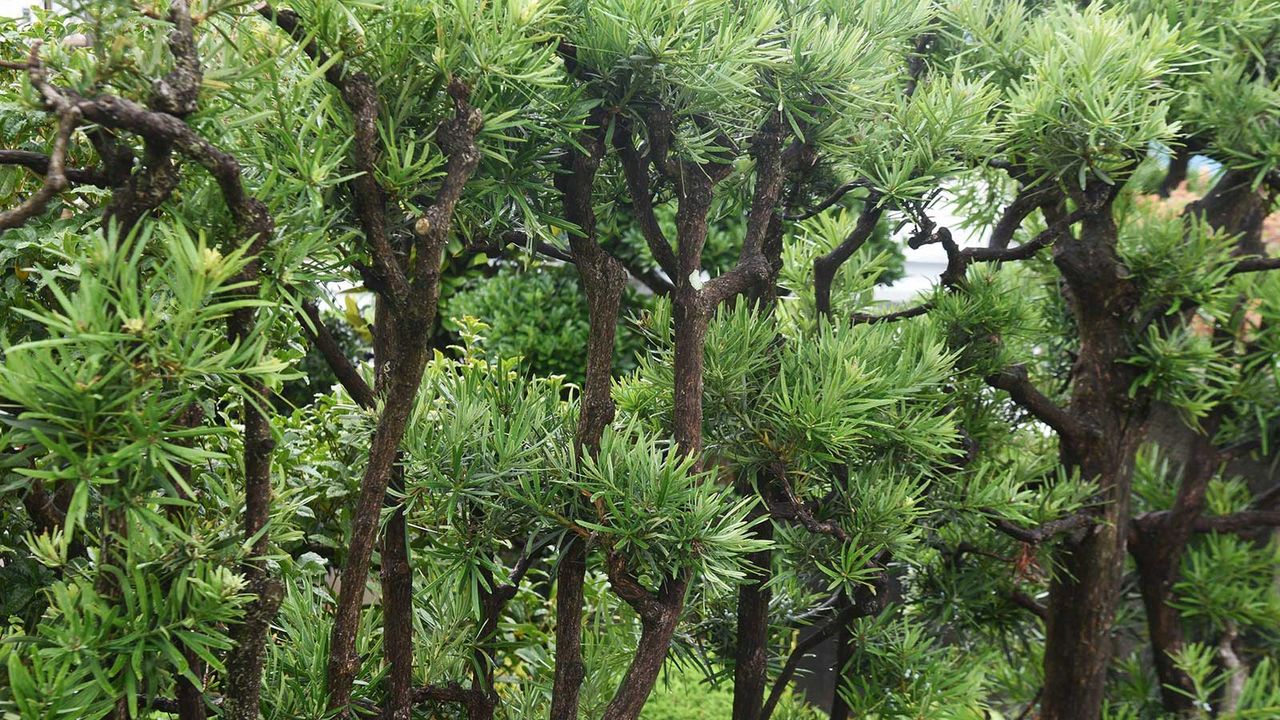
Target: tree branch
[55, 180]
[1014, 380]
[827, 202]
[319, 336]
[867, 318]
[1243, 521]
[361, 98]
[819, 635]
[39, 163]
[636, 174]
[1255, 264]
[825, 266]
[457, 138]
[1044, 531]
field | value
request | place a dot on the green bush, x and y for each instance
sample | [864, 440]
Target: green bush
[682, 694]
[539, 314]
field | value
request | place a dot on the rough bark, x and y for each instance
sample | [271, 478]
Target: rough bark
[412, 315]
[603, 282]
[751, 654]
[569, 669]
[397, 611]
[1160, 538]
[1085, 591]
[659, 614]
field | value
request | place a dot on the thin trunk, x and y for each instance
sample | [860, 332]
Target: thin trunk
[396, 574]
[492, 601]
[603, 282]
[402, 388]
[751, 656]
[1161, 539]
[691, 321]
[844, 657]
[656, 632]
[826, 266]
[245, 662]
[414, 298]
[1179, 163]
[190, 695]
[397, 610]
[569, 671]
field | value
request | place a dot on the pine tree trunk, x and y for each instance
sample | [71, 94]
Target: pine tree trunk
[1086, 590]
[751, 656]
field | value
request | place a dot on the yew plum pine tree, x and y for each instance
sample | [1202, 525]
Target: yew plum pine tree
[1044, 488]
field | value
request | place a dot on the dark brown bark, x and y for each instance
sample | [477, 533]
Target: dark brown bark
[349, 377]
[396, 572]
[569, 669]
[1028, 201]
[826, 266]
[402, 388]
[659, 614]
[1159, 542]
[55, 179]
[1233, 206]
[1160, 538]
[1045, 531]
[412, 316]
[819, 635]
[189, 694]
[691, 321]
[397, 609]
[603, 282]
[245, 662]
[492, 602]
[39, 163]
[1085, 591]
[751, 654]
[1179, 163]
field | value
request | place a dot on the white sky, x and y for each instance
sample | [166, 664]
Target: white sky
[13, 8]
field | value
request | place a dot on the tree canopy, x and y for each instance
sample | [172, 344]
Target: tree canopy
[487, 358]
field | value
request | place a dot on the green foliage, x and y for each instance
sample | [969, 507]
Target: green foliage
[898, 672]
[550, 341]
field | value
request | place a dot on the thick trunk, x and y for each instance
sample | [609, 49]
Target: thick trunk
[1086, 588]
[751, 656]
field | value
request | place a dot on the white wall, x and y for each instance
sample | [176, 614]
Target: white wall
[13, 8]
